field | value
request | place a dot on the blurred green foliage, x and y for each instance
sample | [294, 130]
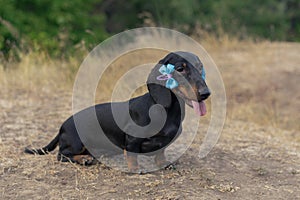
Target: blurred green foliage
[270, 19]
[58, 26]
[51, 25]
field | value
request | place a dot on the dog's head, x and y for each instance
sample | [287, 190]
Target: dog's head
[184, 75]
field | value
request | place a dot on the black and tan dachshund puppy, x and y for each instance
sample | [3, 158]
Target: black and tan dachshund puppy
[177, 79]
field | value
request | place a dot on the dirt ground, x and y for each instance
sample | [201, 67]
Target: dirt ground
[250, 161]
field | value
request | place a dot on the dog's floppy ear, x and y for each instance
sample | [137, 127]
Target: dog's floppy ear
[167, 58]
[160, 94]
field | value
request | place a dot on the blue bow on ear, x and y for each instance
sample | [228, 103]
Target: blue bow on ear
[166, 71]
[203, 73]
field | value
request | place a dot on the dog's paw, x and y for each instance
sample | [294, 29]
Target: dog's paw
[85, 160]
[134, 170]
[170, 166]
[162, 163]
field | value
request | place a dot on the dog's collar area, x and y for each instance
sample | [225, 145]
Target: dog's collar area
[203, 74]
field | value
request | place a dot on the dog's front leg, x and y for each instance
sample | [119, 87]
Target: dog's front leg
[160, 159]
[132, 147]
[132, 162]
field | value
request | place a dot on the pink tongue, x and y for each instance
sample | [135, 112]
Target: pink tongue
[199, 108]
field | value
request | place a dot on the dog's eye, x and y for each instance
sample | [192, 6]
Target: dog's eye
[180, 69]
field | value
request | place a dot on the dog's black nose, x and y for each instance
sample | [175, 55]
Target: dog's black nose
[204, 94]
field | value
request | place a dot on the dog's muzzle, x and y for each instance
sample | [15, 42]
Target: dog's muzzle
[199, 106]
[204, 94]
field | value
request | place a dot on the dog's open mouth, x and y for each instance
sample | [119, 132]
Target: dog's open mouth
[199, 107]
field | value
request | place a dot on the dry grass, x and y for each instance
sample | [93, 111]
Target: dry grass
[250, 161]
[261, 79]
[261, 82]
[37, 72]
